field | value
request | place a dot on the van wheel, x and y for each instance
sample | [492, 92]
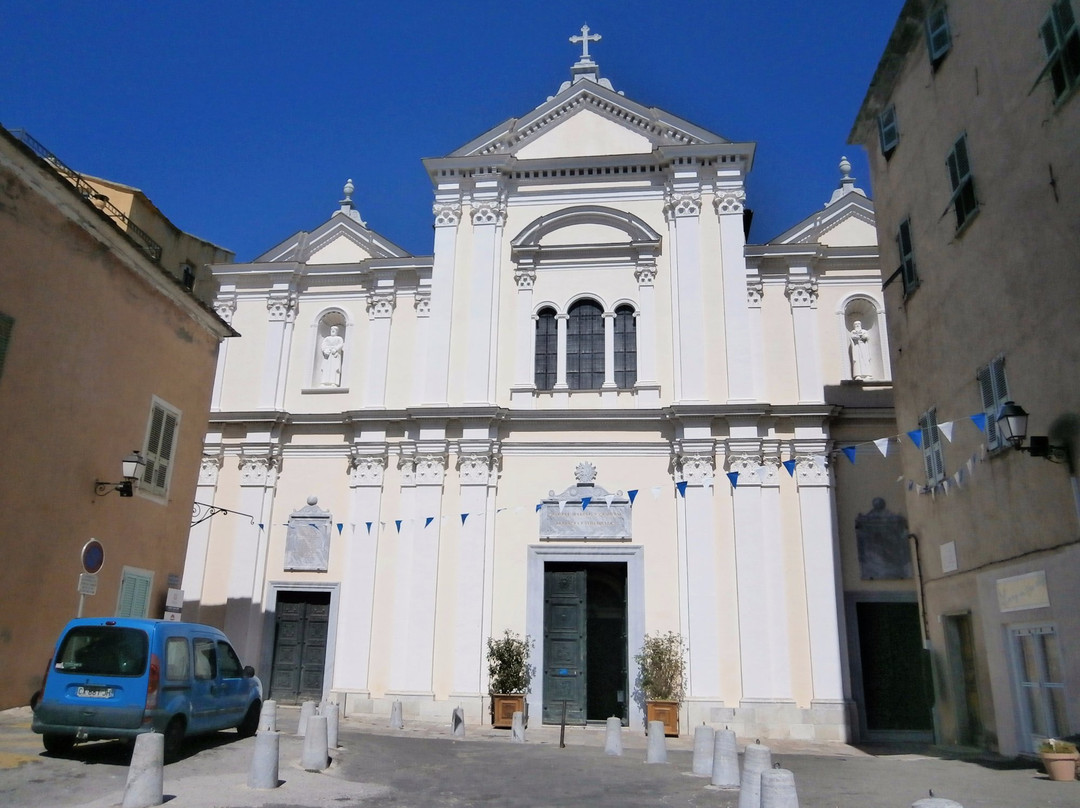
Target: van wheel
[57, 744]
[250, 725]
[174, 738]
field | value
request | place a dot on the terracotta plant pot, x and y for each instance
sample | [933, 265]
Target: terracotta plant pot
[1061, 766]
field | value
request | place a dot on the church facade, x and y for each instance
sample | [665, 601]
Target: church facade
[594, 412]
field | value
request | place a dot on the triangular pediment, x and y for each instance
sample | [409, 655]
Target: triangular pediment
[587, 119]
[340, 240]
[846, 222]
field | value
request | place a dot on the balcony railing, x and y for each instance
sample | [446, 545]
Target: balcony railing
[91, 195]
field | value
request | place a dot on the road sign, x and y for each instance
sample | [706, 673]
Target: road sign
[88, 583]
[93, 556]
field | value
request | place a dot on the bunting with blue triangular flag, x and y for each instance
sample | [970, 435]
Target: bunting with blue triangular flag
[369, 524]
[398, 523]
[632, 494]
[849, 452]
[681, 485]
[585, 502]
[916, 437]
[428, 520]
[790, 466]
[980, 421]
[734, 477]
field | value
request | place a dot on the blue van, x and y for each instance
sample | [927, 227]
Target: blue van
[118, 677]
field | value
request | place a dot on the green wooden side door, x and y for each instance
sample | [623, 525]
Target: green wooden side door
[564, 646]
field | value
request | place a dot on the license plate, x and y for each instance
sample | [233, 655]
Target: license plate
[95, 692]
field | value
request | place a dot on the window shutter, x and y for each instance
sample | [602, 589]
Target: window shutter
[160, 444]
[938, 36]
[888, 131]
[6, 325]
[907, 259]
[134, 598]
[994, 393]
[933, 456]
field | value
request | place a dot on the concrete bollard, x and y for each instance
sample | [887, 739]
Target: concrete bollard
[704, 740]
[396, 720]
[268, 716]
[778, 789]
[315, 757]
[333, 720]
[457, 723]
[264, 762]
[756, 759]
[725, 771]
[517, 727]
[613, 737]
[656, 751]
[935, 802]
[146, 774]
[307, 710]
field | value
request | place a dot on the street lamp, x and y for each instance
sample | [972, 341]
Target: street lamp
[1012, 422]
[130, 468]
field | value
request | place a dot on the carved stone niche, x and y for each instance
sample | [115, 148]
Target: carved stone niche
[307, 541]
[585, 511]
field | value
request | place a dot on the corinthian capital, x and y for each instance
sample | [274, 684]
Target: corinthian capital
[282, 306]
[447, 214]
[525, 278]
[430, 469]
[380, 305]
[260, 470]
[209, 468]
[488, 211]
[729, 200]
[477, 469]
[225, 308]
[802, 292]
[696, 468]
[366, 469]
[811, 470]
[683, 203]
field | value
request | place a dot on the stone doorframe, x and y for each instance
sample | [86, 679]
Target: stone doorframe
[266, 656]
[634, 558]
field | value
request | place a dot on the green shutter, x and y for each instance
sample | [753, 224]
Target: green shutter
[134, 598]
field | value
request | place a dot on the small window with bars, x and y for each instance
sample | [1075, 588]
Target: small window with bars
[933, 456]
[1061, 40]
[963, 198]
[159, 448]
[888, 131]
[585, 346]
[938, 35]
[994, 392]
[625, 348]
[547, 350]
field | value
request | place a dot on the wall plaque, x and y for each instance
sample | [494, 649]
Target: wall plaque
[307, 542]
[585, 512]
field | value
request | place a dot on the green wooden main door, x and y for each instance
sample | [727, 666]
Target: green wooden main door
[564, 646]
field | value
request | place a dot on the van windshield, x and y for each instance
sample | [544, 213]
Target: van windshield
[103, 650]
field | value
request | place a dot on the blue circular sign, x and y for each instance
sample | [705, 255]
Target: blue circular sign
[93, 556]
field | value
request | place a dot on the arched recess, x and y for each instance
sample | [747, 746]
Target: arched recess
[862, 334]
[331, 346]
[620, 238]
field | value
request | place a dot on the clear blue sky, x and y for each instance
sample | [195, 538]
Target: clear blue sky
[242, 120]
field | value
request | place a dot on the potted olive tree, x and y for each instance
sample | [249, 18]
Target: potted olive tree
[511, 676]
[662, 678]
[1059, 758]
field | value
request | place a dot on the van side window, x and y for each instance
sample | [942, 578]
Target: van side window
[205, 658]
[177, 658]
[229, 662]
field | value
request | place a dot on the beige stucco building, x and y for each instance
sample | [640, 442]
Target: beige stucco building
[593, 412]
[102, 352]
[971, 125]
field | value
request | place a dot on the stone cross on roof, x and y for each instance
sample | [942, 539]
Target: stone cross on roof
[585, 39]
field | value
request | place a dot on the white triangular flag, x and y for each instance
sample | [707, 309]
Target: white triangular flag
[946, 430]
[883, 446]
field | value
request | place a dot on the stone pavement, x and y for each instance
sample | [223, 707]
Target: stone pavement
[423, 765]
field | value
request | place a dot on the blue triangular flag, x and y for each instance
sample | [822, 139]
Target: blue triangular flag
[790, 466]
[585, 502]
[464, 516]
[398, 523]
[632, 495]
[429, 520]
[340, 526]
[369, 524]
[916, 437]
[850, 452]
[539, 505]
[979, 421]
[734, 477]
[261, 527]
[682, 488]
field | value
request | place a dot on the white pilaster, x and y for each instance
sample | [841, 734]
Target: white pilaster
[199, 536]
[755, 291]
[247, 571]
[447, 217]
[488, 213]
[701, 605]
[422, 305]
[776, 590]
[281, 311]
[353, 664]
[477, 473]
[647, 386]
[380, 308]
[225, 306]
[820, 560]
[688, 300]
[561, 321]
[802, 292]
[737, 332]
[525, 336]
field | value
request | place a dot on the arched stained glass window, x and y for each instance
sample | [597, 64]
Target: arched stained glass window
[625, 347]
[585, 346]
[547, 350]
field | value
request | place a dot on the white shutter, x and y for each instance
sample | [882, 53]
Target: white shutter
[134, 597]
[994, 392]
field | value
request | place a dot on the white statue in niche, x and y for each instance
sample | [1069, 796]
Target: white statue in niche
[861, 367]
[332, 347]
